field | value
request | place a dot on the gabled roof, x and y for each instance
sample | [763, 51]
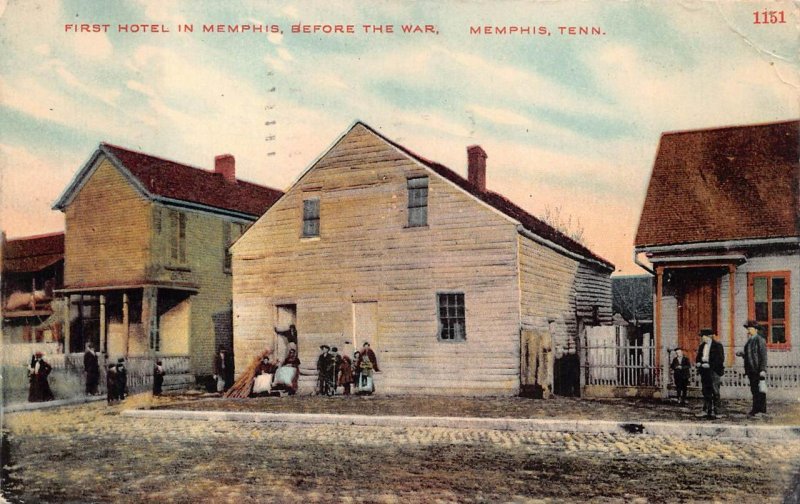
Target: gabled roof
[724, 184]
[502, 204]
[29, 254]
[492, 199]
[171, 182]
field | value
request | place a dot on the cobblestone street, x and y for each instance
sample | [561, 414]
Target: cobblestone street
[90, 453]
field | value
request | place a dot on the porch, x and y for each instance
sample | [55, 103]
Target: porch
[142, 320]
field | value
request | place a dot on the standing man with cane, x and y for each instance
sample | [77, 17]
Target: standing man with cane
[755, 366]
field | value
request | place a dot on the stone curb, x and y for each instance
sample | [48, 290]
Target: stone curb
[673, 429]
[14, 408]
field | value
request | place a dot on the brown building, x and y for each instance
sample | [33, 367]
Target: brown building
[147, 269]
[457, 289]
[721, 228]
[32, 269]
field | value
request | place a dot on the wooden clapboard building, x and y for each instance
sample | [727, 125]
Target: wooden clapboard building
[454, 286]
[147, 269]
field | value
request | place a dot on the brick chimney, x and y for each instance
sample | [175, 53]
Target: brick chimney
[225, 164]
[476, 167]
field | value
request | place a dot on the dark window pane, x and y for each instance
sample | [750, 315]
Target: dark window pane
[778, 288]
[761, 312]
[760, 289]
[417, 183]
[779, 310]
[418, 216]
[778, 334]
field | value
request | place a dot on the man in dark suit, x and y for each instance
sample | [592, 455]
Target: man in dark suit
[91, 368]
[223, 367]
[755, 366]
[710, 363]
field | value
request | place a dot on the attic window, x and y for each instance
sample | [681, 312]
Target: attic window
[418, 202]
[310, 217]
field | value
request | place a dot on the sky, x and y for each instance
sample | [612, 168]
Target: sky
[568, 121]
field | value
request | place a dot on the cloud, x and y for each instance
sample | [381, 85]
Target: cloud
[92, 46]
[499, 115]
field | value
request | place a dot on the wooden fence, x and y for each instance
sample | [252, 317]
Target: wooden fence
[609, 362]
[67, 379]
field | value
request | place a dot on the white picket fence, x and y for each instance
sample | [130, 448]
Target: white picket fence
[609, 361]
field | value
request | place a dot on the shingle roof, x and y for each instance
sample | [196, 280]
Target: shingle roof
[502, 204]
[724, 184]
[182, 182]
[32, 253]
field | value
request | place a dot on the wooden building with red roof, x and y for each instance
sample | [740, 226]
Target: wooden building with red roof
[457, 289]
[32, 269]
[721, 227]
[146, 262]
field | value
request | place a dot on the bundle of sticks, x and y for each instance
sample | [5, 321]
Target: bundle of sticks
[242, 387]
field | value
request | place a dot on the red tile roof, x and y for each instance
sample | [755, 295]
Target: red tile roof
[32, 253]
[182, 182]
[504, 205]
[724, 184]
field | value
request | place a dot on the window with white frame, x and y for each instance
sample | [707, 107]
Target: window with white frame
[452, 316]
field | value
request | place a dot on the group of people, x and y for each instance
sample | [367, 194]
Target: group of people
[116, 381]
[116, 376]
[710, 363]
[276, 375]
[334, 370]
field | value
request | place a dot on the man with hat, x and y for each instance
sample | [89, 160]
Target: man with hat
[323, 364]
[755, 366]
[121, 379]
[710, 363]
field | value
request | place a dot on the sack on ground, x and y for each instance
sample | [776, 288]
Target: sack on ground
[285, 375]
[365, 384]
[262, 384]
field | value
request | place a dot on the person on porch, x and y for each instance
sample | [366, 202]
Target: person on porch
[755, 367]
[710, 363]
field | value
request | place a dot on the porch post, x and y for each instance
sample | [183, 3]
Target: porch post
[150, 317]
[67, 323]
[103, 327]
[659, 292]
[126, 317]
[731, 315]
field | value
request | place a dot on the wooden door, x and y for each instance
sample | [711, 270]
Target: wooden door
[697, 309]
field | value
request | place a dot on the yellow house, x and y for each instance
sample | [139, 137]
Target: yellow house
[146, 263]
[458, 290]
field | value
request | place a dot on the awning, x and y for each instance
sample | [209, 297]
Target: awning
[87, 288]
[698, 261]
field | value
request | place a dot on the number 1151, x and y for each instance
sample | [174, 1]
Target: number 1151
[769, 17]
